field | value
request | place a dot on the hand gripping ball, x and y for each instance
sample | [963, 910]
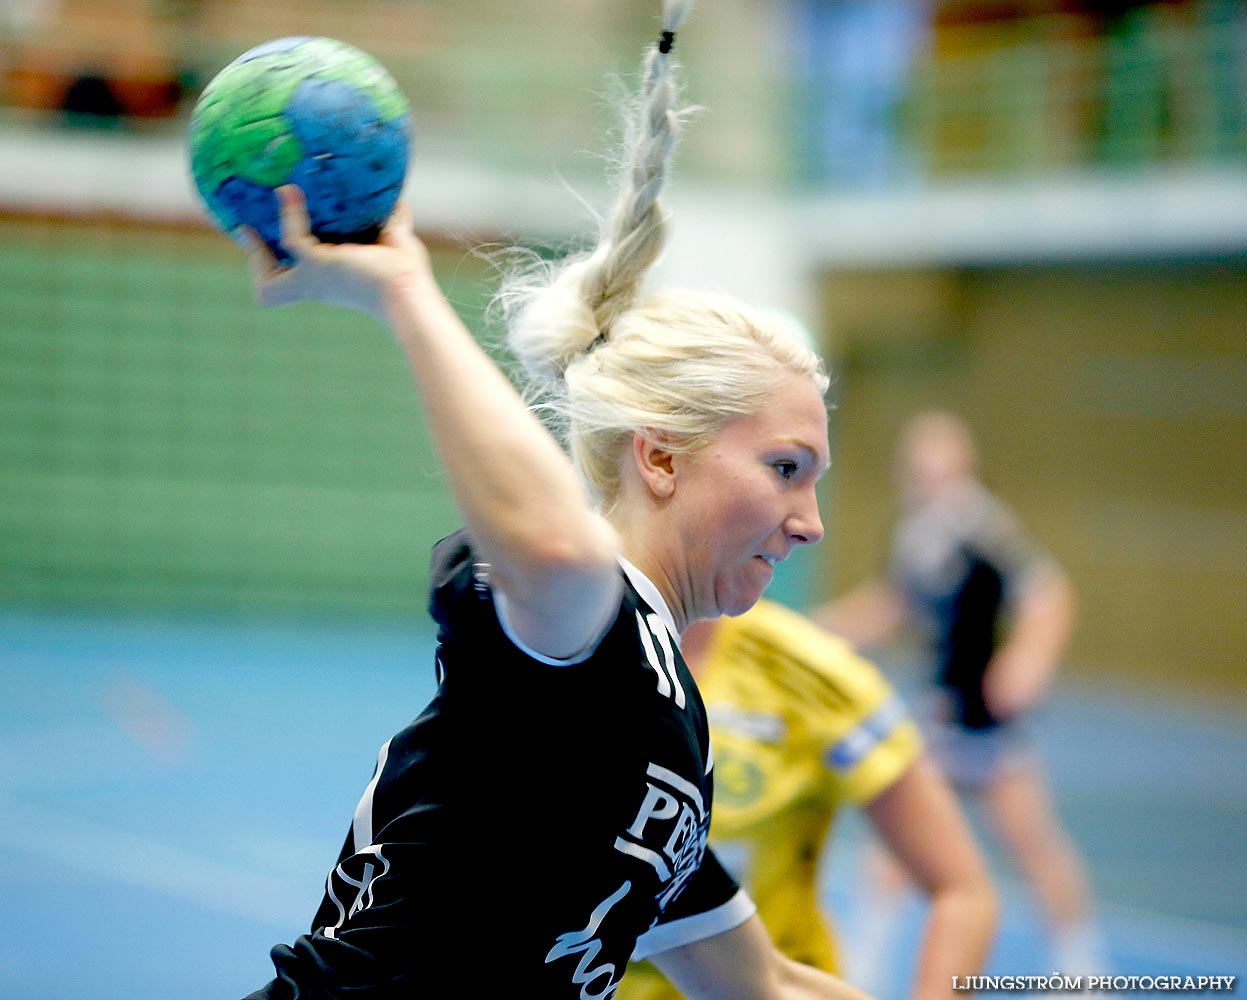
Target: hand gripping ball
[314, 112]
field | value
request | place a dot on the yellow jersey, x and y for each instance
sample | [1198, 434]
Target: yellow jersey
[800, 725]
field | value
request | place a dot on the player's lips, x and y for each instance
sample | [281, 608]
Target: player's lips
[772, 561]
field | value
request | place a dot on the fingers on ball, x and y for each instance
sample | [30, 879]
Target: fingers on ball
[296, 235]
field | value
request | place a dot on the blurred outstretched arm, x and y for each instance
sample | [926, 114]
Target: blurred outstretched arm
[866, 616]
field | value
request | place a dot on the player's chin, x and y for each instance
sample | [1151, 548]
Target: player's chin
[745, 588]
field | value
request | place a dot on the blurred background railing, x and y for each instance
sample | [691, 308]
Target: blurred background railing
[1079, 86]
[950, 89]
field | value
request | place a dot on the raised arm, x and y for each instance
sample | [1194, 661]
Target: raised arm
[919, 820]
[744, 964]
[551, 555]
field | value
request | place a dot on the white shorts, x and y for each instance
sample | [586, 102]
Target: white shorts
[971, 758]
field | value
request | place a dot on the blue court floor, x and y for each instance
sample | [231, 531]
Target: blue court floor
[172, 794]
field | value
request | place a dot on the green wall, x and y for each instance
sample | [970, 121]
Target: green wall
[167, 445]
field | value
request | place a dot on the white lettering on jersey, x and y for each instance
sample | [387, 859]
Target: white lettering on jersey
[670, 830]
[369, 873]
[653, 630]
[659, 805]
[586, 944]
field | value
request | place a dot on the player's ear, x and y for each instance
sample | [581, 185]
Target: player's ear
[655, 462]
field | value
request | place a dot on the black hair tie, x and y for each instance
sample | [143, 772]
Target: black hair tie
[666, 41]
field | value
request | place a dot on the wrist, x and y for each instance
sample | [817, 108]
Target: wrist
[408, 296]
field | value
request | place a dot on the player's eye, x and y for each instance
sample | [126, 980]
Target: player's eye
[786, 469]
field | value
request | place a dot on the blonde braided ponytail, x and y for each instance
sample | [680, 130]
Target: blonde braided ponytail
[557, 321]
[637, 228]
[607, 363]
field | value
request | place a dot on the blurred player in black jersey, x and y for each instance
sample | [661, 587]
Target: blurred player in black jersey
[995, 615]
[545, 817]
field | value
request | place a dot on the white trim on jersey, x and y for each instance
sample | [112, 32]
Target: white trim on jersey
[649, 593]
[698, 927]
[643, 586]
[361, 825]
[669, 685]
[500, 608]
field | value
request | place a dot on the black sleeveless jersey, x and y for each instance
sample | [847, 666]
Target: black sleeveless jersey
[529, 826]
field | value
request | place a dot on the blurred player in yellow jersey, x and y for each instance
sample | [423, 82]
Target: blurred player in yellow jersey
[800, 726]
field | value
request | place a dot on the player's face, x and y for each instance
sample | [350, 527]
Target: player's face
[934, 455]
[749, 498]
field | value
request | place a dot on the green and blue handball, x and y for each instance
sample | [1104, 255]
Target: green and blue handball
[314, 112]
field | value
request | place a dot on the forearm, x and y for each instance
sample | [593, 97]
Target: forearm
[1044, 619]
[517, 491]
[744, 964]
[866, 616]
[1023, 668]
[520, 498]
[802, 982]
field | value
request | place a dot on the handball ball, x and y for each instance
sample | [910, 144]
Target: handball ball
[308, 111]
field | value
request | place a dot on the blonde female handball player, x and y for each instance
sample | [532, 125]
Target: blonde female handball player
[545, 816]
